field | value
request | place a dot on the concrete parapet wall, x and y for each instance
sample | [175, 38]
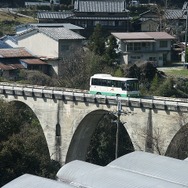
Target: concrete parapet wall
[83, 96]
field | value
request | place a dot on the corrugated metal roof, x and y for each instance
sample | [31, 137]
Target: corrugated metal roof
[14, 52]
[143, 35]
[155, 166]
[100, 6]
[114, 178]
[160, 35]
[138, 41]
[186, 159]
[11, 66]
[76, 168]
[132, 35]
[60, 33]
[31, 181]
[33, 61]
[134, 170]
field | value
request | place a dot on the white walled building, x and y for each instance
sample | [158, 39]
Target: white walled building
[144, 46]
[49, 42]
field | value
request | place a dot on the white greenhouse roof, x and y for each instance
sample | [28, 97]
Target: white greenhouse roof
[31, 181]
[71, 171]
[137, 169]
[154, 166]
[134, 170]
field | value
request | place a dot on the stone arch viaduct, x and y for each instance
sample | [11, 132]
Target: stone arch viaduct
[69, 117]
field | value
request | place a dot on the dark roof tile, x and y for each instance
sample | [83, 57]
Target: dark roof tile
[100, 6]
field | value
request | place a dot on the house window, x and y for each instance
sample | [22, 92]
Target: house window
[121, 23]
[130, 47]
[137, 46]
[135, 58]
[105, 23]
[111, 23]
[82, 23]
[133, 46]
[152, 58]
[145, 45]
[163, 44]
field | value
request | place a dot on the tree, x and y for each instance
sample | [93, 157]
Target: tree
[23, 148]
[167, 88]
[97, 41]
[76, 69]
[155, 84]
[178, 147]
[110, 52]
[9, 122]
[102, 147]
[35, 77]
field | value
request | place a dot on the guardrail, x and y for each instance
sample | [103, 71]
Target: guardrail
[76, 95]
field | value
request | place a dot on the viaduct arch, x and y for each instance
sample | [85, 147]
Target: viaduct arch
[68, 118]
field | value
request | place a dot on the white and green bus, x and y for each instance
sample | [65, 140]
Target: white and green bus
[106, 84]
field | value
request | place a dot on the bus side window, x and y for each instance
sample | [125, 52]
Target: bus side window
[117, 83]
[113, 84]
[124, 86]
[109, 83]
[94, 81]
[103, 82]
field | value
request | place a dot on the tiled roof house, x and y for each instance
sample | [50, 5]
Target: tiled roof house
[111, 14]
[172, 21]
[49, 42]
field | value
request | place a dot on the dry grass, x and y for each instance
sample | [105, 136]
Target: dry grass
[178, 71]
[14, 17]
[8, 21]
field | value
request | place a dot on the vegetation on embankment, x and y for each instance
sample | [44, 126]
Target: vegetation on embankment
[182, 73]
[9, 20]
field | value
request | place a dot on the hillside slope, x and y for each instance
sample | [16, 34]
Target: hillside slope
[8, 21]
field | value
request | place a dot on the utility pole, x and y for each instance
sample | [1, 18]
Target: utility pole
[118, 114]
[185, 11]
[166, 4]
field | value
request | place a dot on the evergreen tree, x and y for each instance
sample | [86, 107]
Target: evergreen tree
[155, 83]
[167, 88]
[97, 41]
[102, 147]
[110, 53]
[23, 148]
